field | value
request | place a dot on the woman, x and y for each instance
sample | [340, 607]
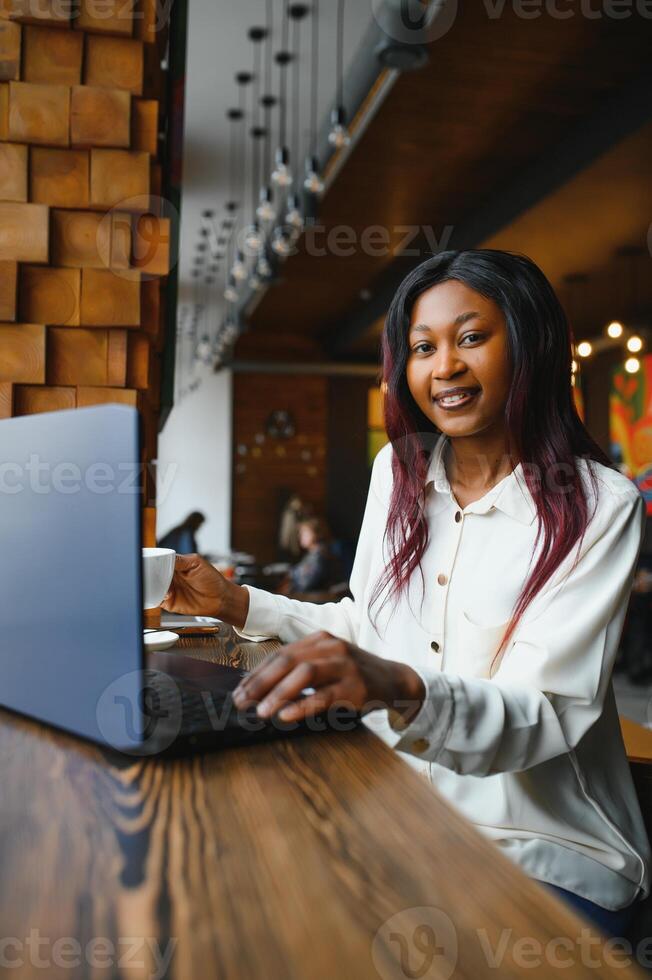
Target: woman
[490, 585]
[314, 571]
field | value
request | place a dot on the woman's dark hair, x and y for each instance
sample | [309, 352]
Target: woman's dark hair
[544, 430]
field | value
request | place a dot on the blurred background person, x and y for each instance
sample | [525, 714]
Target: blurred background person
[182, 538]
[317, 569]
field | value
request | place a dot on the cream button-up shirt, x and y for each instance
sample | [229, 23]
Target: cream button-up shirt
[541, 730]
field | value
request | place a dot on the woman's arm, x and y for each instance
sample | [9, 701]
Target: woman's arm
[291, 619]
[547, 693]
[199, 589]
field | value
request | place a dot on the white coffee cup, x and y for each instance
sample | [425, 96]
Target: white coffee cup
[158, 570]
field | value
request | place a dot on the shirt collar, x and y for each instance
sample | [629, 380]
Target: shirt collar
[510, 495]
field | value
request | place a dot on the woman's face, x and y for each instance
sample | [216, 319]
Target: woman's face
[458, 339]
[306, 537]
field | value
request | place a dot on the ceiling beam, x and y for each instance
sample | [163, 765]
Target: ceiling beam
[618, 117]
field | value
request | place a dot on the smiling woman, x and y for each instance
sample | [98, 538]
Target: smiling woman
[459, 365]
[489, 589]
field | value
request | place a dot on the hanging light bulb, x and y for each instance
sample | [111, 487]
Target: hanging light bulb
[632, 365]
[615, 329]
[263, 268]
[255, 282]
[293, 217]
[634, 344]
[282, 243]
[282, 175]
[339, 136]
[313, 182]
[584, 349]
[239, 268]
[231, 291]
[203, 350]
[254, 239]
[231, 333]
[265, 209]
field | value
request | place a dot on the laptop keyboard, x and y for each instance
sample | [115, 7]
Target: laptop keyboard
[201, 711]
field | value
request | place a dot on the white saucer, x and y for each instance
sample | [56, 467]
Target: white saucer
[160, 641]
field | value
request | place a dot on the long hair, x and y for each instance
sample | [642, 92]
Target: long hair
[544, 431]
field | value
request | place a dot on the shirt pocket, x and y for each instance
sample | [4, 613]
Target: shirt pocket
[475, 648]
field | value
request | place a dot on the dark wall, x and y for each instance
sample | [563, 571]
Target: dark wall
[347, 473]
[596, 383]
[266, 470]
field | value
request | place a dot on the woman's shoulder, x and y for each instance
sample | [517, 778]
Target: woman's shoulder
[381, 473]
[609, 489]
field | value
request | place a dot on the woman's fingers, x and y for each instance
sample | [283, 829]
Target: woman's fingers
[285, 683]
[265, 676]
[311, 705]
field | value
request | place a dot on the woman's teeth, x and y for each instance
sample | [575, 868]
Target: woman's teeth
[451, 401]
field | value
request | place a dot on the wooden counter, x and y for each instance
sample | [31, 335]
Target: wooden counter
[320, 856]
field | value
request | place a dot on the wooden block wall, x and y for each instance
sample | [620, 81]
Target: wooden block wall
[84, 251]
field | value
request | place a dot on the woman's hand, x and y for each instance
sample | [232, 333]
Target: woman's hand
[339, 672]
[198, 589]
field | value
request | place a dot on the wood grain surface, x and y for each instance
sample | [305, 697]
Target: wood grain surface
[315, 857]
[8, 285]
[13, 172]
[52, 56]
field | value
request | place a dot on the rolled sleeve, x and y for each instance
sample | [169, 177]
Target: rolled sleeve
[263, 618]
[426, 735]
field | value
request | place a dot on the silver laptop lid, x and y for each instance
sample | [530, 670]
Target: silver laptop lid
[70, 570]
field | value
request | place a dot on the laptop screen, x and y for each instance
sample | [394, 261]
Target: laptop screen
[70, 569]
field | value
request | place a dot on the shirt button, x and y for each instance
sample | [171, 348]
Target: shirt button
[434, 646]
[421, 745]
[442, 579]
[458, 516]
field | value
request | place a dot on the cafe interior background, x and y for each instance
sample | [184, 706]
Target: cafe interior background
[205, 213]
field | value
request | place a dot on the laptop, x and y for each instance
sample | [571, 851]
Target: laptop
[72, 652]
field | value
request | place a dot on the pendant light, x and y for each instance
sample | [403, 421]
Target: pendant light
[297, 12]
[203, 349]
[313, 182]
[282, 242]
[243, 78]
[266, 210]
[339, 136]
[254, 238]
[231, 291]
[263, 267]
[282, 174]
[234, 116]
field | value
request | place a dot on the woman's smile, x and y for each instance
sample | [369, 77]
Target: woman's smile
[455, 399]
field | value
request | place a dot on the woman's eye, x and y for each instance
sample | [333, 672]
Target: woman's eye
[473, 337]
[422, 348]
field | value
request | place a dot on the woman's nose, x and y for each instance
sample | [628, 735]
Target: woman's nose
[447, 364]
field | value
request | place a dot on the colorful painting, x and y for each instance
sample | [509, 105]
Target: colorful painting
[630, 416]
